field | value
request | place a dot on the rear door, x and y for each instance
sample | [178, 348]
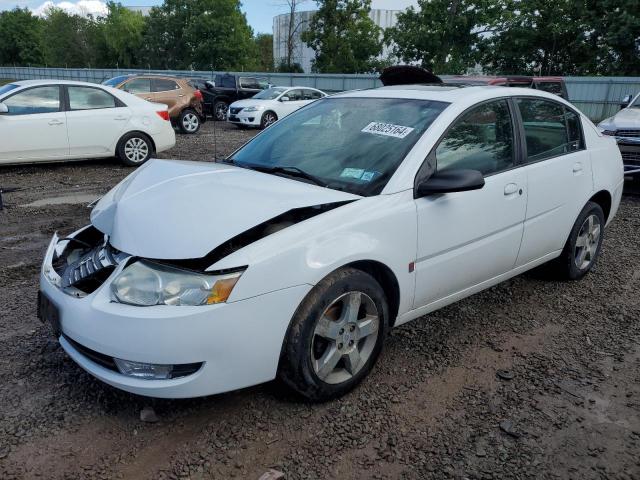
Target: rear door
[35, 128]
[558, 172]
[169, 93]
[95, 119]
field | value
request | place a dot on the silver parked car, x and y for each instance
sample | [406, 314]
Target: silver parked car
[625, 126]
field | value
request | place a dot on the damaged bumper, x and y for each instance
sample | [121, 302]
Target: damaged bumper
[215, 348]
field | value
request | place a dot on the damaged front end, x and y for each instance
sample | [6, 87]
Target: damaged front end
[78, 265]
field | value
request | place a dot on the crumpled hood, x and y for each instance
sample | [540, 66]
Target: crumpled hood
[170, 209]
[627, 118]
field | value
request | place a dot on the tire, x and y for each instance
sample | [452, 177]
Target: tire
[134, 149]
[220, 109]
[268, 118]
[325, 359]
[189, 121]
[583, 246]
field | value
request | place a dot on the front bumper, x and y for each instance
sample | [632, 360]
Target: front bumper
[630, 151]
[250, 119]
[239, 343]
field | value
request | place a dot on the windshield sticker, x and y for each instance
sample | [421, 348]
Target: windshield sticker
[368, 176]
[352, 173]
[387, 129]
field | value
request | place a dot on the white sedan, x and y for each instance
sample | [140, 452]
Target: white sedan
[270, 105]
[295, 256]
[55, 120]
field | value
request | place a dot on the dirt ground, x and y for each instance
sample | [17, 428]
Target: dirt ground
[531, 379]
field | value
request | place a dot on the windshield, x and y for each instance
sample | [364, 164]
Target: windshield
[270, 93]
[350, 144]
[7, 88]
[636, 102]
[112, 82]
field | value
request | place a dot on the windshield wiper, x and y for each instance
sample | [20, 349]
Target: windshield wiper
[288, 170]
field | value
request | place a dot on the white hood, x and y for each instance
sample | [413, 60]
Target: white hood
[170, 209]
[627, 118]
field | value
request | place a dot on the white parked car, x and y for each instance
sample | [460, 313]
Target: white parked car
[55, 120]
[270, 105]
[625, 127]
[354, 215]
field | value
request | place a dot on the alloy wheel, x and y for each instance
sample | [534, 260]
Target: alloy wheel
[587, 242]
[136, 150]
[269, 119]
[221, 112]
[190, 122]
[344, 337]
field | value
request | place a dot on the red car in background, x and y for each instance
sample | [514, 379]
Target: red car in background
[554, 85]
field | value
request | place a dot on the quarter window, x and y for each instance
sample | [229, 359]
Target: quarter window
[163, 85]
[84, 98]
[138, 85]
[34, 100]
[482, 139]
[550, 129]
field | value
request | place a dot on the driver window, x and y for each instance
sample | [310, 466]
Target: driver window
[294, 95]
[482, 139]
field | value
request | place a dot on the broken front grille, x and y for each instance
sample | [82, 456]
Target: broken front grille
[632, 132]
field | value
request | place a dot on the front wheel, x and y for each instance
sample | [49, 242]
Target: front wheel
[189, 121]
[583, 245]
[220, 111]
[268, 118]
[336, 335]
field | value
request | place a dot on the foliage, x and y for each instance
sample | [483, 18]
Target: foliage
[200, 34]
[344, 38]
[295, 67]
[70, 48]
[21, 38]
[264, 47]
[123, 32]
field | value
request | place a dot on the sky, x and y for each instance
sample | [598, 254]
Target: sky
[259, 13]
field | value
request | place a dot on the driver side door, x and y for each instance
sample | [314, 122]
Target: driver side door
[466, 239]
[294, 103]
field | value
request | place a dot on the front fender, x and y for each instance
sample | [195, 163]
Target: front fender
[381, 229]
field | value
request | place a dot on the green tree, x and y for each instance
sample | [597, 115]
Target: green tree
[200, 34]
[123, 32]
[443, 34]
[21, 38]
[344, 38]
[69, 45]
[264, 47]
[539, 37]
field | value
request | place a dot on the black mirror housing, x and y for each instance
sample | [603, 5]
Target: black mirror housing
[624, 103]
[449, 181]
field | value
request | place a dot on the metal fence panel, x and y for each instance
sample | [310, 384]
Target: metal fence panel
[597, 97]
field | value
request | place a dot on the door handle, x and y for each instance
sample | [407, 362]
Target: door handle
[120, 118]
[510, 189]
[180, 96]
[55, 122]
[577, 167]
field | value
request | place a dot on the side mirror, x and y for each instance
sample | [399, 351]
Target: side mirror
[450, 181]
[3, 108]
[284, 99]
[624, 103]
[210, 84]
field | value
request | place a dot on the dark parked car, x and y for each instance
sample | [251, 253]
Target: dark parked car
[225, 89]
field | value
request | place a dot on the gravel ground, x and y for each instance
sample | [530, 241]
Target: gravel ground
[531, 379]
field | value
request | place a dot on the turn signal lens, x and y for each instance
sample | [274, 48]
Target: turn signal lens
[222, 289]
[164, 114]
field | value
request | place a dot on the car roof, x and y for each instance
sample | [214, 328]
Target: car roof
[31, 83]
[448, 93]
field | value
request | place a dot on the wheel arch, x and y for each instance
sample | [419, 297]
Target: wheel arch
[604, 199]
[139, 132]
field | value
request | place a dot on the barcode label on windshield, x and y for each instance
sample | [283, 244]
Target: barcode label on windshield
[387, 129]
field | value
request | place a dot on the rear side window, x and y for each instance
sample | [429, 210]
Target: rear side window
[34, 100]
[225, 81]
[163, 85]
[137, 85]
[482, 139]
[550, 129]
[551, 87]
[84, 98]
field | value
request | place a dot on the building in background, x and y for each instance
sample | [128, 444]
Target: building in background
[384, 13]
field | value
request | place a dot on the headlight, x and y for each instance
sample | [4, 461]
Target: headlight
[146, 284]
[253, 109]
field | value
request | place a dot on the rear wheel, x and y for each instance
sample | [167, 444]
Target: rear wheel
[134, 149]
[335, 336]
[268, 118]
[220, 109]
[583, 245]
[189, 121]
